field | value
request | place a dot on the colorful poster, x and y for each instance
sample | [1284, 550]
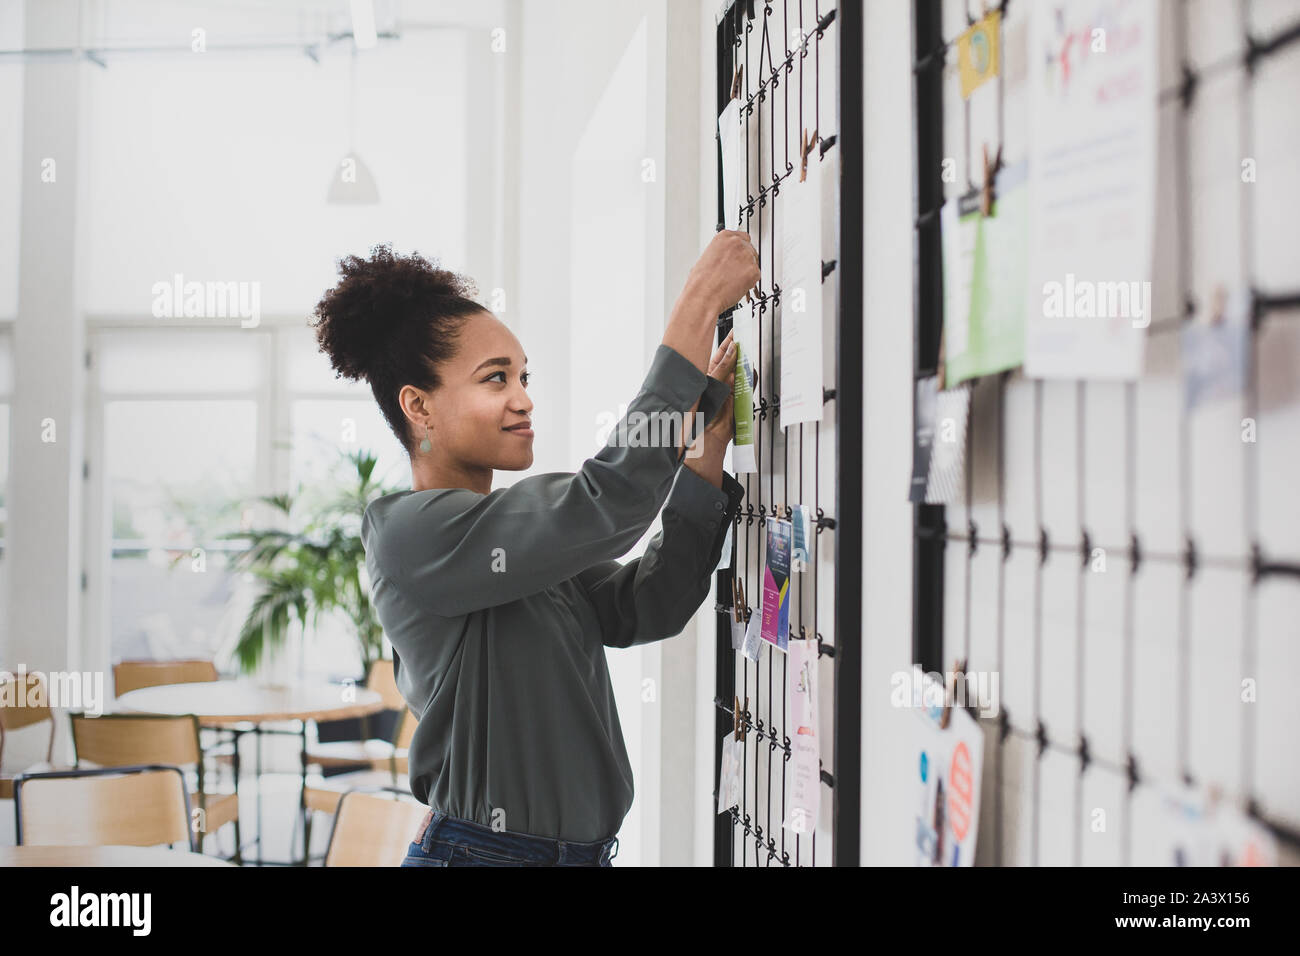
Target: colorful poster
[776, 584]
[977, 53]
[743, 456]
[1093, 119]
[804, 802]
[947, 769]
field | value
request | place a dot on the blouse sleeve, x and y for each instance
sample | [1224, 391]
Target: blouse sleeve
[652, 597]
[453, 551]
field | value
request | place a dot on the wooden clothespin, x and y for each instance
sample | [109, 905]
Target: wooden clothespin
[806, 144]
[736, 81]
[737, 600]
[737, 725]
[990, 173]
[950, 686]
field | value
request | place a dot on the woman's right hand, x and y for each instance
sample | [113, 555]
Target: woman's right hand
[727, 269]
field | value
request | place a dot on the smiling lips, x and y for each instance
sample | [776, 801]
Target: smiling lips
[523, 428]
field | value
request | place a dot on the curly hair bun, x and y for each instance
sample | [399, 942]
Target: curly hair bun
[379, 303]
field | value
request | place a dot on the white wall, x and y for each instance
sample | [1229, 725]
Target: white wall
[887, 439]
[604, 250]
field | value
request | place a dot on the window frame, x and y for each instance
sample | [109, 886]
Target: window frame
[273, 396]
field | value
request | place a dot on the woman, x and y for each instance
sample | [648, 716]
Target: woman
[499, 604]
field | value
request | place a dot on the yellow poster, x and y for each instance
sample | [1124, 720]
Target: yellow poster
[977, 53]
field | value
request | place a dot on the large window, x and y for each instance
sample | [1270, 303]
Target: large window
[197, 424]
[330, 420]
[180, 448]
[220, 175]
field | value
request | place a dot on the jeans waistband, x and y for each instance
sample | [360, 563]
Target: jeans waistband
[441, 826]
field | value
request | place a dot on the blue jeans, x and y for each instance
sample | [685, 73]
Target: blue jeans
[444, 840]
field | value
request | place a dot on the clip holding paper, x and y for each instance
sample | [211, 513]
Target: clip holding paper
[738, 606]
[735, 81]
[738, 726]
[990, 174]
[950, 688]
[805, 146]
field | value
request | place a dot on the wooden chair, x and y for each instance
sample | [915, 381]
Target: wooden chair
[116, 740]
[132, 675]
[365, 753]
[373, 828]
[395, 762]
[376, 762]
[324, 794]
[118, 806]
[20, 690]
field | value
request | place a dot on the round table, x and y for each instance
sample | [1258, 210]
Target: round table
[223, 703]
[104, 856]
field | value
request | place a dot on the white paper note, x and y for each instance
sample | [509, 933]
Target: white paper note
[1093, 119]
[738, 135]
[801, 297]
[801, 704]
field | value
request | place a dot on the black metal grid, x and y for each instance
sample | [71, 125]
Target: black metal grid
[932, 532]
[752, 833]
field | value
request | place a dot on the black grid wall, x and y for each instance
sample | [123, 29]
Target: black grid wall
[1127, 674]
[801, 74]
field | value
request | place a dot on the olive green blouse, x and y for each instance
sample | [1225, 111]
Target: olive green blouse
[499, 608]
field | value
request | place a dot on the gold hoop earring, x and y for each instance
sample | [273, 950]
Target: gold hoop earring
[425, 444]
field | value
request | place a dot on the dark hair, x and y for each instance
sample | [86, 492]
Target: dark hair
[393, 320]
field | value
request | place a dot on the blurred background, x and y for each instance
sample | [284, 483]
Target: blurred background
[238, 148]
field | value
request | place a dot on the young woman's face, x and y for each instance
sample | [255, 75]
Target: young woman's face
[483, 394]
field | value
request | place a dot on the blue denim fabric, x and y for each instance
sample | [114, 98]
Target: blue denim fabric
[450, 841]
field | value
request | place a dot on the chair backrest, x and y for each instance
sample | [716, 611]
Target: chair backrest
[373, 828]
[132, 675]
[122, 740]
[383, 682]
[24, 702]
[123, 806]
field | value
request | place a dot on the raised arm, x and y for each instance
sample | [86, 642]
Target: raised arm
[452, 551]
[652, 597]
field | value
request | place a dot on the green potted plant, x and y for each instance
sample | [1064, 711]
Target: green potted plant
[313, 567]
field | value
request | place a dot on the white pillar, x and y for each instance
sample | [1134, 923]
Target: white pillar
[674, 91]
[43, 630]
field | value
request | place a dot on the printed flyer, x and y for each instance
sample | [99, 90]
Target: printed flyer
[804, 802]
[948, 766]
[776, 585]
